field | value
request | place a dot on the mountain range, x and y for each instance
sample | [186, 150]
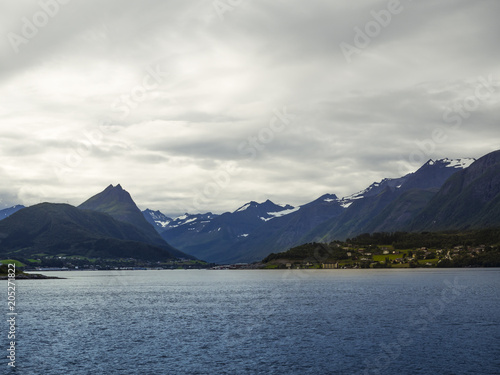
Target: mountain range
[408, 203]
[444, 194]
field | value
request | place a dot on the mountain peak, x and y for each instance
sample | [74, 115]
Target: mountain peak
[117, 202]
[328, 197]
[265, 206]
[117, 187]
[468, 199]
[432, 174]
[247, 206]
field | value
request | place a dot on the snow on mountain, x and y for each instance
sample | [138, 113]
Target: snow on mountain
[346, 204]
[284, 212]
[263, 206]
[162, 222]
[244, 207]
[254, 228]
[373, 189]
[452, 163]
[408, 181]
[157, 219]
[458, 163]
[265, 211]
[189, 219]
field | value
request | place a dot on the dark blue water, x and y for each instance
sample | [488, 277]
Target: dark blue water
[259, 322]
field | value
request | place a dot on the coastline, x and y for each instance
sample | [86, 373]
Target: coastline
[30, 276]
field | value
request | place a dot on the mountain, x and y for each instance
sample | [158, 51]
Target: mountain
[398, 215]
[399, 199]
[434, 173]
[442, 194]
[6, 212]
[214, 237]
[157, 219]
[256, 229]
[161, 222]
[117, 202]
[287, 230]
[470, 199]
[251, 231]
[353, 220]
[63, 230]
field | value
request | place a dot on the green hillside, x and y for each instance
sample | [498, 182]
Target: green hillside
[61, 229]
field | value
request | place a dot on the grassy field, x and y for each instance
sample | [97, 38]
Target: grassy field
[16, 262]
[381, 258]
[432, 261]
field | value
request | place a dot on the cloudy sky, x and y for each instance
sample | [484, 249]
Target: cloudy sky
[203, 105]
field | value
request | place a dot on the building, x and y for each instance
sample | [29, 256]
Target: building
[330, 265]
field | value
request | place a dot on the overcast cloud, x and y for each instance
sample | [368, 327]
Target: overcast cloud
[164, 97]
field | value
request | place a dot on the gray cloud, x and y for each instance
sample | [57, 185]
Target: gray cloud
[82, 109]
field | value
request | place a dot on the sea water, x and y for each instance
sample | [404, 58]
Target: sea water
[439, 321]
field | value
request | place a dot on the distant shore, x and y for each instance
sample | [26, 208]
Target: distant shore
[31, 276]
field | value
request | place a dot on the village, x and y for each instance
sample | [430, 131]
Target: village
[350, 256]
[387, 257]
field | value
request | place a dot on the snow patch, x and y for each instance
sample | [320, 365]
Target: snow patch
[345, 205]
[243, 235]
[243, 208]
[459, 163]
[284, 212]
[163, 223]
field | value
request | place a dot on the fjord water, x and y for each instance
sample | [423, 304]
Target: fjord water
[260, 322]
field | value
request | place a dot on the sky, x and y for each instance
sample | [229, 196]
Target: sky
[204, 105]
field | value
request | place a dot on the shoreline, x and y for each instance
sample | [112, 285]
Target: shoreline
[30, 276]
